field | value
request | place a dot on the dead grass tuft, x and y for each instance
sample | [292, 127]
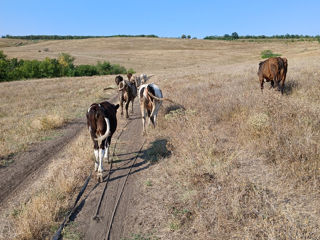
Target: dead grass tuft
[48, 122]
[259, 124]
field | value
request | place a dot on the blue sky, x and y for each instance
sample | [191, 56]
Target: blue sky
[165, 18]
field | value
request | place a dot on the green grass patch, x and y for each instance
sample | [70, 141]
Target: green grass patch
[269, 54]
[149, 183]
[7, 160]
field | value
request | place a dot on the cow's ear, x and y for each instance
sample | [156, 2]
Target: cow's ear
[116, 107]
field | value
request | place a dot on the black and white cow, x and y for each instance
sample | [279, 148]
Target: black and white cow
[102, 123]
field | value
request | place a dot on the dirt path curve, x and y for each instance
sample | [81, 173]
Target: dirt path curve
[128, 143]
[27, 165]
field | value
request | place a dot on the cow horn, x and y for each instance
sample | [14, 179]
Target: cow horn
[120, 89]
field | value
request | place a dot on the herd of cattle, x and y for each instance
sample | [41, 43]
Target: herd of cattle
[102, 120]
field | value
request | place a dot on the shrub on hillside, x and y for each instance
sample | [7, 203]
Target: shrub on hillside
[14, 69]
[85, 70]
[131, 71]
[269, 54]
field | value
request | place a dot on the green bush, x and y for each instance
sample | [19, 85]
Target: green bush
[3, 69]
[14, 69]
[104, 68]
[269, 54]
[117, 69]
[85, 70]
[131, 71]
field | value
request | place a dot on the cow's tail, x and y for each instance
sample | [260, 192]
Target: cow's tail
[159, 99]
[106, 134]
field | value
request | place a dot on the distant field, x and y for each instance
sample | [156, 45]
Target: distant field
[242, 164]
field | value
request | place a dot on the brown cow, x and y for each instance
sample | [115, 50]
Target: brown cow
[274, 70]
[128, 91]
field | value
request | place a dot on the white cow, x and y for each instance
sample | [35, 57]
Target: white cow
[150, 97]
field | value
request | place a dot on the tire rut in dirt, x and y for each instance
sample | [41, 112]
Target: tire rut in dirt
[126, 152]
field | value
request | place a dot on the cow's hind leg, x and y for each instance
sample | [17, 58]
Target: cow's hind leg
[101, 156]
[127, 106]
[272, 84]
[107, 149]
[149, 118]
[261, 84]
[121, 105]
[132, 105]
[96, 161]
[143, 113]
[96, 155]
[282, 87]
[152, 121]
[277, 85]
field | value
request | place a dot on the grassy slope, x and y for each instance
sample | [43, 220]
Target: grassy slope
[242, 165]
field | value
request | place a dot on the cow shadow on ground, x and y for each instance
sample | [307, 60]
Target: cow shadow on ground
[155, 152]
[173, 107]
[290, 87]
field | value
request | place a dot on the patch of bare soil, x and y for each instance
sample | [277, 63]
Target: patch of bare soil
[25, 165]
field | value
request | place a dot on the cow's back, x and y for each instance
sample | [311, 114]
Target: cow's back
[269, 68]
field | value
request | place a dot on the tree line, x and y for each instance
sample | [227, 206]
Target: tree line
[232, 36]
[16, 69]
[62, 37]
[235, 36]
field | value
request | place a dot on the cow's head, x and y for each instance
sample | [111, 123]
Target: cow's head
[118, 79]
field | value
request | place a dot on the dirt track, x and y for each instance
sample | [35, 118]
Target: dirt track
[15, 179]
[26, 165]
[128, 143]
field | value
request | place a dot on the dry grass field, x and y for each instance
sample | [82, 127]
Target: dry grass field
[232, 164]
